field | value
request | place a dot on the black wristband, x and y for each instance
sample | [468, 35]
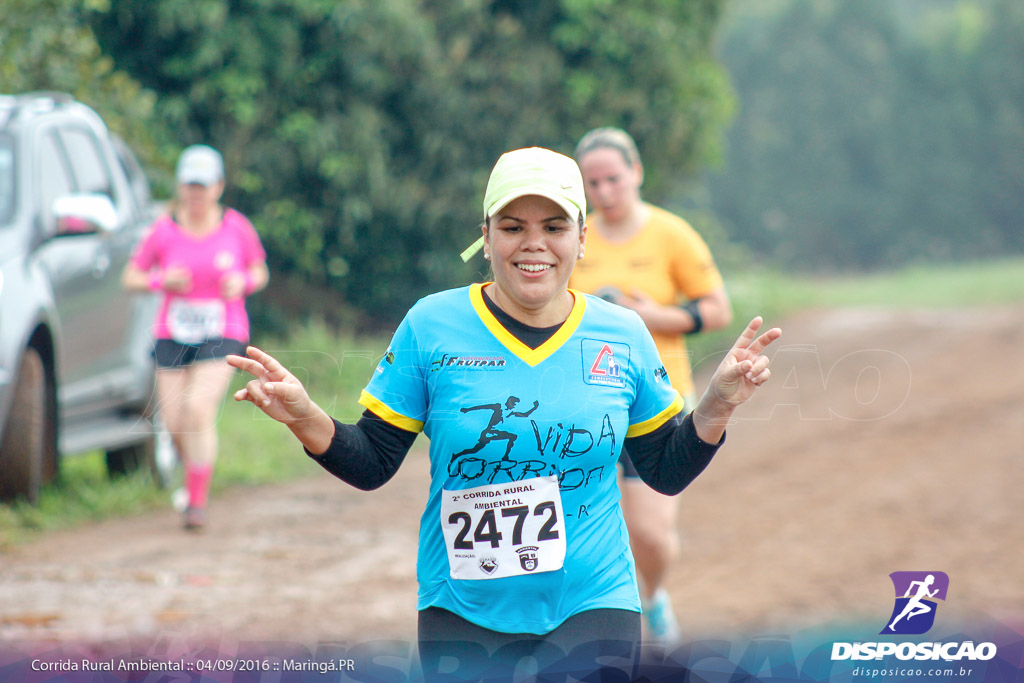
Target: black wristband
[693, 309]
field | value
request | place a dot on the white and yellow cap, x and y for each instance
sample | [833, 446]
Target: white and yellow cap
[533, 171]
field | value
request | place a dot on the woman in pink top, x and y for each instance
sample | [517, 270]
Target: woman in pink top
[204, 259]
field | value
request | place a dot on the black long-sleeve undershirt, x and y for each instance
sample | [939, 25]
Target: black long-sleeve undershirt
[367, 454]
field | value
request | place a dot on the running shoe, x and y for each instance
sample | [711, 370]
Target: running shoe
[179, 499]
[195, 518]
[660, 621]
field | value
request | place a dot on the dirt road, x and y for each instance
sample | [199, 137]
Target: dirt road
[886, 441]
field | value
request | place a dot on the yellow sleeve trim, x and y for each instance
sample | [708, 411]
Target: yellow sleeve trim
[648, 426]
[377, 407]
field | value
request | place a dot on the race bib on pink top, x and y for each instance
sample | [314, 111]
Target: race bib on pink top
[191, 322]
[202, 313]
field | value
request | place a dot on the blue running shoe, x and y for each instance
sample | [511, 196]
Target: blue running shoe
[660, 624]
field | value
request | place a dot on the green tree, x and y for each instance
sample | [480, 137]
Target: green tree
[875, 133]
[358, 135]
[46, 45]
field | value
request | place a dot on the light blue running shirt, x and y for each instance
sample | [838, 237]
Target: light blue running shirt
[522, 528]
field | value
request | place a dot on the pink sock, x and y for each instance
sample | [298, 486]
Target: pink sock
[197, 481]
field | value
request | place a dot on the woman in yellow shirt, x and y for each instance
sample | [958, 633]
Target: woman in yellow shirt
[645, 258]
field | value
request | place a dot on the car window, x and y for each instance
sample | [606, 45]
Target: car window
[136, 176]
[54, 180]
[7, 186]
[87, 165]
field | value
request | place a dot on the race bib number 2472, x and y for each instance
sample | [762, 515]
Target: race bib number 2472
[504, 530]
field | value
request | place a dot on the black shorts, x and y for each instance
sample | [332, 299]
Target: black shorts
[608, 636]
[172, 354]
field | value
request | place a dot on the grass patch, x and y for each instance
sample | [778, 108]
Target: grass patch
[253, 448]
[774, 295]
[256, 450]
[966, 284]
[83, 493]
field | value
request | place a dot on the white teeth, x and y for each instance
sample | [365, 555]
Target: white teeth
[533, 267]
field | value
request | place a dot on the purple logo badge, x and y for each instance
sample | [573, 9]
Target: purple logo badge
[916, 595]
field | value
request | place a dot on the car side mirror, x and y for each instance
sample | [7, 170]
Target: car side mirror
[84, 214]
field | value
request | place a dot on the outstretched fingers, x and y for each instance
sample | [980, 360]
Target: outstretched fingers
[765, 339]
[264, 368]
[750, 340]
[274, 369]
[746, 338]
[259, 363]
[253, 367]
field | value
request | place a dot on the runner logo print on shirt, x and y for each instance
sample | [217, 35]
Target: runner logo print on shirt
[502, 530]
[605, 363]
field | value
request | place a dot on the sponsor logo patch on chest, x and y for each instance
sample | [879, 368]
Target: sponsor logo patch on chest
[605, 363]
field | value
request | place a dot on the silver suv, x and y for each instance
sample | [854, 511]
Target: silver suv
[76, 372]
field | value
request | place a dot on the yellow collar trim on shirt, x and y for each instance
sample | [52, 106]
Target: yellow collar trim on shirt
[529, 356]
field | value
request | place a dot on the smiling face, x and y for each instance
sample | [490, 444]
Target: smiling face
[611, 182]
[533, 246]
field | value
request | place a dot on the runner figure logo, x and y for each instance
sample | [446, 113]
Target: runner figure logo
[914, 610]
[492, 432]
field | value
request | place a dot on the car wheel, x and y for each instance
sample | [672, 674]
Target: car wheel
[29, 443]
[127, 459]
[156, 454]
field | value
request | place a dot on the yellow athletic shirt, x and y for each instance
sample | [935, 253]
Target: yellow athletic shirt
[668, 261]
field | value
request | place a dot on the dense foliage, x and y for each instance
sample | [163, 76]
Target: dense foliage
[46, 45]
[359, 134]
[875, 133]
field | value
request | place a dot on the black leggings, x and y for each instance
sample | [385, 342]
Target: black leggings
[595, 645]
